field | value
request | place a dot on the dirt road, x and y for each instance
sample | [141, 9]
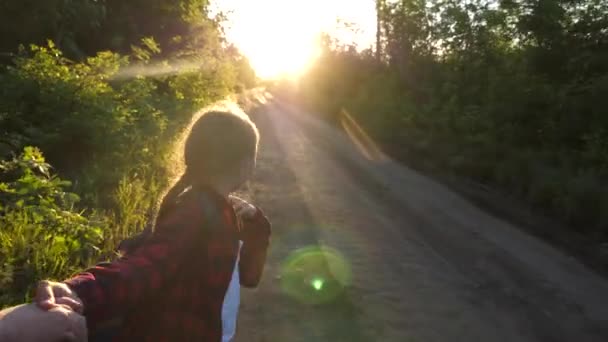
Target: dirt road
[426, 265]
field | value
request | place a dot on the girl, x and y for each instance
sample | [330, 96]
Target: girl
[173, 286]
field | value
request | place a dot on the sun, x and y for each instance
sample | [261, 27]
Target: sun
[279, 52]
[280, 36]
[291, 63]
[274, 34]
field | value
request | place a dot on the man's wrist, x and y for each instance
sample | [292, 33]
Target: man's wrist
[73, 295]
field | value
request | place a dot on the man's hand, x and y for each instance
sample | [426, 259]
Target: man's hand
[50, 295]
[244, 209]
[29, 323]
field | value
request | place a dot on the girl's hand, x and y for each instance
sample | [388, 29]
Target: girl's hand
[244, 209]
[50, 295]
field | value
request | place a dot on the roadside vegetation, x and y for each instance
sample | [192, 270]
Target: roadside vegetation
[511, 94]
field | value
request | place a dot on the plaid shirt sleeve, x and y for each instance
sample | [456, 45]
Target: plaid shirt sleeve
[109, 289]
[256, 238]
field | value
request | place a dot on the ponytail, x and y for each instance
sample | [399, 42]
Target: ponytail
[170, 198]
[133, 243]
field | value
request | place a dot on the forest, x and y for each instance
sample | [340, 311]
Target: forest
[510, 94]
[94, 94]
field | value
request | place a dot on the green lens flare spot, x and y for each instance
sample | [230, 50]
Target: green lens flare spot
[317, 284]
[315, 275]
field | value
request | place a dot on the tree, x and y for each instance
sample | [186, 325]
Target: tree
[84, 27]
[506, 92]
[380, 5]
[34, 22]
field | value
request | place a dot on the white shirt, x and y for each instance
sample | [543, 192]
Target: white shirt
[232, 300]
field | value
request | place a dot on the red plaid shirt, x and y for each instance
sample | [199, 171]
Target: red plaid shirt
[172, 288]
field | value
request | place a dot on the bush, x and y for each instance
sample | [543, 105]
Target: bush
[109, 123]
[43, 235]
[99, 112]
[77, 115]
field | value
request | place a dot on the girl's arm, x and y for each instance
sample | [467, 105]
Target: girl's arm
[256, 238]
[111, 288]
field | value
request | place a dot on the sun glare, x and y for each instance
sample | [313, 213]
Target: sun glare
[280, 36]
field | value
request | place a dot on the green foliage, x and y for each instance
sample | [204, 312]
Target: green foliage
[84, 27]
[64, 21]
[87, 115]
[75, 113]
[507, 93]
[42, 234]
[111, 134]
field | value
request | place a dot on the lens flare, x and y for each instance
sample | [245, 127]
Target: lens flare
[176, 67]
[317, 284]
[315, 275]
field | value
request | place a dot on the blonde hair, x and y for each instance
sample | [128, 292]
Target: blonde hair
[217, 143]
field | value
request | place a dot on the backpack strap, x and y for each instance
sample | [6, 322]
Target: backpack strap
[210, 215]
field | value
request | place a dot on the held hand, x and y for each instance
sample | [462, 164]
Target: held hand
[51, 295]
[29, 323]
